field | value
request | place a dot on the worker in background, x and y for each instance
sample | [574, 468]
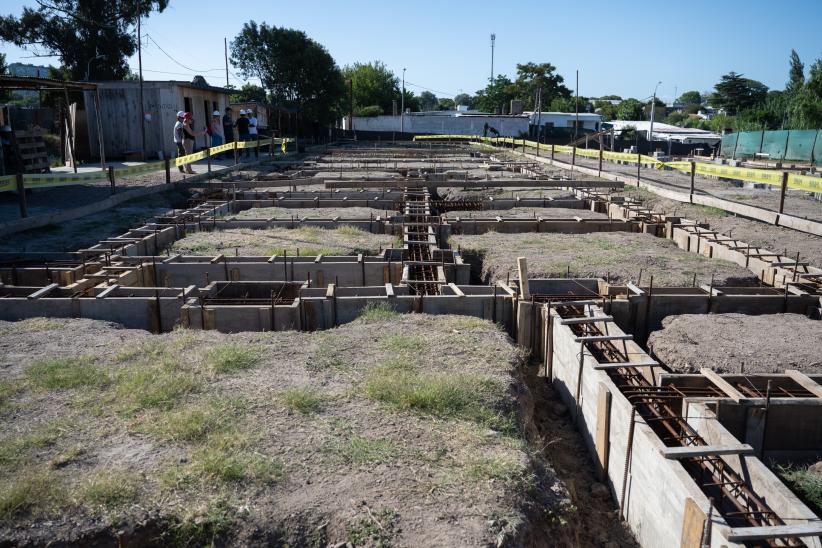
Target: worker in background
[190, 137]
[228, 128]
[216, 129]
[242, 130]
[252, 124]
[178, 137]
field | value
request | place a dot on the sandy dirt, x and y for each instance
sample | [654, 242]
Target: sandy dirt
[724, 342]
[87, 231]
[460, 193]
[269, 241]
[756, 233]
[528, 213]
[313, 213]
[281, 438]
[620, 255]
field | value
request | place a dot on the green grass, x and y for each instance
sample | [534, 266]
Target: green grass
[201, 525]
[351, 231]
[302, 399]
[367, 532]
[806, 483]
[159, 386]
[195, 421]
[444, 395]
[35, 489]
[356, 449]
[229, 457]
[57, 373]
[109, 488]
[7, 390]
[378, 312]
[402, 344]
[15, 449]
[499, 469]
[231, 357]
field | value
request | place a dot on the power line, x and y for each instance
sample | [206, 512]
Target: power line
[198, 71]
[445, 93]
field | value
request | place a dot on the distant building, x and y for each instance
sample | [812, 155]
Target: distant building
[667, 132]
[121, 114]
[445, 122]
[24, 69]
[551, 120]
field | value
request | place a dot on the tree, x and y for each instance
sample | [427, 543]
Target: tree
[796, 74]
[630, 109]
[495, 95]
[676, 118]
[249, 93]
[92, 38]
[446, 104]
[564, 104]
[606, 109]
[428, 101]
[532, 77]
[690, 98]
[295, 70]
[805, 108]
[464, 99]
[735, 93]
[4, 68]
[373, 85]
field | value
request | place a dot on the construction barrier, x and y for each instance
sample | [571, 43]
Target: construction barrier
[797, 181]
[42, 180]
[797, 145]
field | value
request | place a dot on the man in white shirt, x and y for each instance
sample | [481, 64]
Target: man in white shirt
[178, 137]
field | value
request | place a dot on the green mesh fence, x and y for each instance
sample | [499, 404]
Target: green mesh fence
[748, 144]
[800, 145]
[817, 149]
[728, 144]
[775, 143]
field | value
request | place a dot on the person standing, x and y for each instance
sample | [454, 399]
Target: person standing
[216, 129]
[228, 128]
[242, 129]
[252, 125]
[189, 137]
[179, 133]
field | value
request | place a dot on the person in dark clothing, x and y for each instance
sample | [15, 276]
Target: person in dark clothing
[242, 125]
[228, 128]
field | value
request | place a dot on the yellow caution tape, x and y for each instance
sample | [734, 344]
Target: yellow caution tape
[805, 182]
[7, 182]
[222, 148]
[139, 169]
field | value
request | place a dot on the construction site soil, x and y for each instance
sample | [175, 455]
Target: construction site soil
[307, 240]
[527, 213]
[734, 343]
[313, 213]
[618, 255]
[356, 434]
[468, 194]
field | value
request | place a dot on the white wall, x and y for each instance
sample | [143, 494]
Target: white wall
[511, 126]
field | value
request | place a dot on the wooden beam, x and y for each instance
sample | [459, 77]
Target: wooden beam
[618, 365]
[722, 384]
[742, 534]
[595, 338]
[457, 291]
[522, 266]
[705, 450]
[805, 382]
[587, 319]
[43, 292]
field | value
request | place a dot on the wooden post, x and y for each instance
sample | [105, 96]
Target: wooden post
[236, 156]
[693, 177]
[70, 131]
[538, 139]
[522, 265]
[111, 178]
[21, 194]
[100, 140]
[167, 163]
[552, 152]
[600, 155]
[257, 148]
[208, 158]
[574, 154]
[783, 192]
[638, 164]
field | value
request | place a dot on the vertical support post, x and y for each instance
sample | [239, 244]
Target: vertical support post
[638, 165]
[167, 165]
[552, 153]
[522, 266]
[208, 158]
[100, 141]
[782, 192]
[111, 178]
[21, 195]
[236, 156]
[574, 154]
[693, 178]
[257, 148]
[600, 156]
[70, 133]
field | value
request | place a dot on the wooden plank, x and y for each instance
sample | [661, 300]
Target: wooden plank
[805, 382]
[522, 266]
[587, 319]
[742, 534]
[595, 338]
[106, 292]
[43, 292]
[693, 524]
[722, 384]
[603, 434]
[705, 450]
[618, 365]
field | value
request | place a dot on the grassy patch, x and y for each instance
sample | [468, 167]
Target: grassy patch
[7, 390]
[326, 356]
[15, 449]
[377, 529]
[402, 344]
[351, 231]
[378, 312]
[353, 448]
[160, 386]
[109, 488]
[202, 525]
[31, 325]
[499, 469]
[807, 484]
[194, 422]
[445, 395]
[56, 373]
[230, 458]
[231, 357]
[25, 493]
[303, 399]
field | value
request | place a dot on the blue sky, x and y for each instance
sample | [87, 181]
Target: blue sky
[621, 48]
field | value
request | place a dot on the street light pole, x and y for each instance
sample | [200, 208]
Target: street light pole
[651, 130]
[402, 104]
[493, 39]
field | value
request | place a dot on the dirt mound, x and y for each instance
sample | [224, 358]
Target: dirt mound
[728, 342]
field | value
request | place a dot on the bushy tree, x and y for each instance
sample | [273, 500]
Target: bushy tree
[690, 98]
[495, 95]
[92, 38]
[532, 77]
[676, 118]
[249, 93]
[446, 104]
[734, 92]
[796, 74]
[428, 101]
[464, 99]
[606, 109]
[630, 109]
[373, 85]
[294, 69]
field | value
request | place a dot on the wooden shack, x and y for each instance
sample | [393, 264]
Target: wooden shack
[121, 114]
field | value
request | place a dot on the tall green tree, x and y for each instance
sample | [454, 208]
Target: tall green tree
[495, 95]
[464, 99]
[294, 69]
[249, 93]
[428, 101]
[374, 85]
[92, 38]
[631, 109]
[690, 98]
[532, 77]
[805, 108]
[796, 74]
[734, 93]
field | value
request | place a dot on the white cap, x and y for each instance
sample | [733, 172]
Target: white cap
[215, 113]
[242, 111]
[181, 113]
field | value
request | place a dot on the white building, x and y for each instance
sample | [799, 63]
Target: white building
[550, 120]
[667, 132]
[444, 122]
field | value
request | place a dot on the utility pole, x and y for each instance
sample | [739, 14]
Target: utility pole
[140, 75]
[576, 111]
[651, 130]
[539, 116]
[225, 45]
[351, 104]
[493, 39]
[402, 104]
